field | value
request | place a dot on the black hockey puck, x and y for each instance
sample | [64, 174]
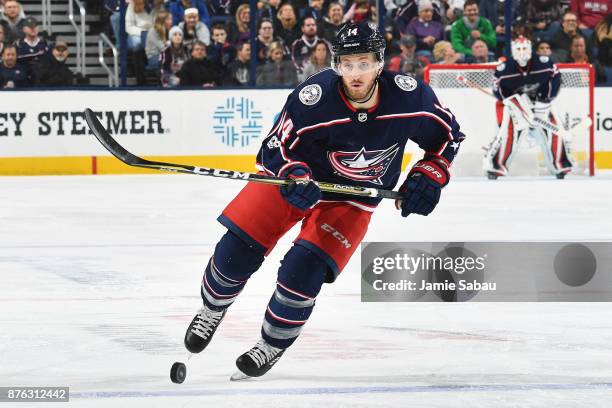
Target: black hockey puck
[178, 372]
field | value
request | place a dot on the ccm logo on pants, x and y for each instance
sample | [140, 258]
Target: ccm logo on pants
[336, 234]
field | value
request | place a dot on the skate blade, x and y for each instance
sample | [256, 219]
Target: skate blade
[239, 376]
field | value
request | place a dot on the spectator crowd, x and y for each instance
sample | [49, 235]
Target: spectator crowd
[206, 43]
[26, 58]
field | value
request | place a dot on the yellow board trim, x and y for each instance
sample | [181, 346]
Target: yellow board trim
[603, 160]
[36, 166]
[111, 165]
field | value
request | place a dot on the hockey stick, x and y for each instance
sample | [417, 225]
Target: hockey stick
[105, 138]
[583, 124]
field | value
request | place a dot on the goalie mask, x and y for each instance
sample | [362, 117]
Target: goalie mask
[521, 50]
[354, 39]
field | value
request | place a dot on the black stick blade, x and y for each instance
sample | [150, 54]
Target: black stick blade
[105, 138]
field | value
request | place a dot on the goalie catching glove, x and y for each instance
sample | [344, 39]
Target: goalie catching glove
[302, 193]
[423, 186]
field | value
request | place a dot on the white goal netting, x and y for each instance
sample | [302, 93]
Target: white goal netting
[457, 88]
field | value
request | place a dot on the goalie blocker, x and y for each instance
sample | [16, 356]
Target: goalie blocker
[525, 86]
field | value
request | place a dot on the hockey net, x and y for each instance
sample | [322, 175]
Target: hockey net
[457, 87]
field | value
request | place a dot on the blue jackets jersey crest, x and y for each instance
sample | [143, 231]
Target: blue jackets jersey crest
[540, 79]
[341, 144]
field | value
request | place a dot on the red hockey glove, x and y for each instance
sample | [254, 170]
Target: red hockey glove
[423, 186]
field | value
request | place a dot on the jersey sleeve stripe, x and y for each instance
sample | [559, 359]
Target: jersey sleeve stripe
[416, 114]
[295, 142]
[322, 124]
[543, 70]
[447, 112]
[507, 76]
[441, 149]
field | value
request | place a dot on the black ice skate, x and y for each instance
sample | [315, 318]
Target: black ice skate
[201, 329]
[257, 361]
[492, 175]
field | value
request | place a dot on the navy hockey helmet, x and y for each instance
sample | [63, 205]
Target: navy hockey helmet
[357, 38]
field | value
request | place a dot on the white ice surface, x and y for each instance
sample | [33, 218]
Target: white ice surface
[100, 277]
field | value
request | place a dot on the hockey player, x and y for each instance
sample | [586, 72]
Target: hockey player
[525, 86]
[348, 124]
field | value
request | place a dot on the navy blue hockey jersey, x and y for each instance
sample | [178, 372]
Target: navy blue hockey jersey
[28, 53]
[540, 79]
[341, 144]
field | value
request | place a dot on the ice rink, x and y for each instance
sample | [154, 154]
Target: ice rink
[101, 275]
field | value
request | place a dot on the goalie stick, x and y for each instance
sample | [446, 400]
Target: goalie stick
[105, 138]
[567, 134]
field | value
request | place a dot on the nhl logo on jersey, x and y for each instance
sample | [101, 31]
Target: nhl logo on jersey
[362, 116]
[405, 82]
[311, 94]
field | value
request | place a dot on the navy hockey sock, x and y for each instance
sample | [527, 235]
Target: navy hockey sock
[300, 278]
[232, 264]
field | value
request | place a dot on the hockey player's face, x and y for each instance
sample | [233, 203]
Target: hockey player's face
[358, 72]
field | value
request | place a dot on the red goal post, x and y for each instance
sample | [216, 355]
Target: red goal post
[455, 85]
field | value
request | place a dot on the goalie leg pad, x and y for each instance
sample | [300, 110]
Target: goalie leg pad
[502, 148]
[232, 264]
[555, 150]
[521, 109]
[300, 278]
